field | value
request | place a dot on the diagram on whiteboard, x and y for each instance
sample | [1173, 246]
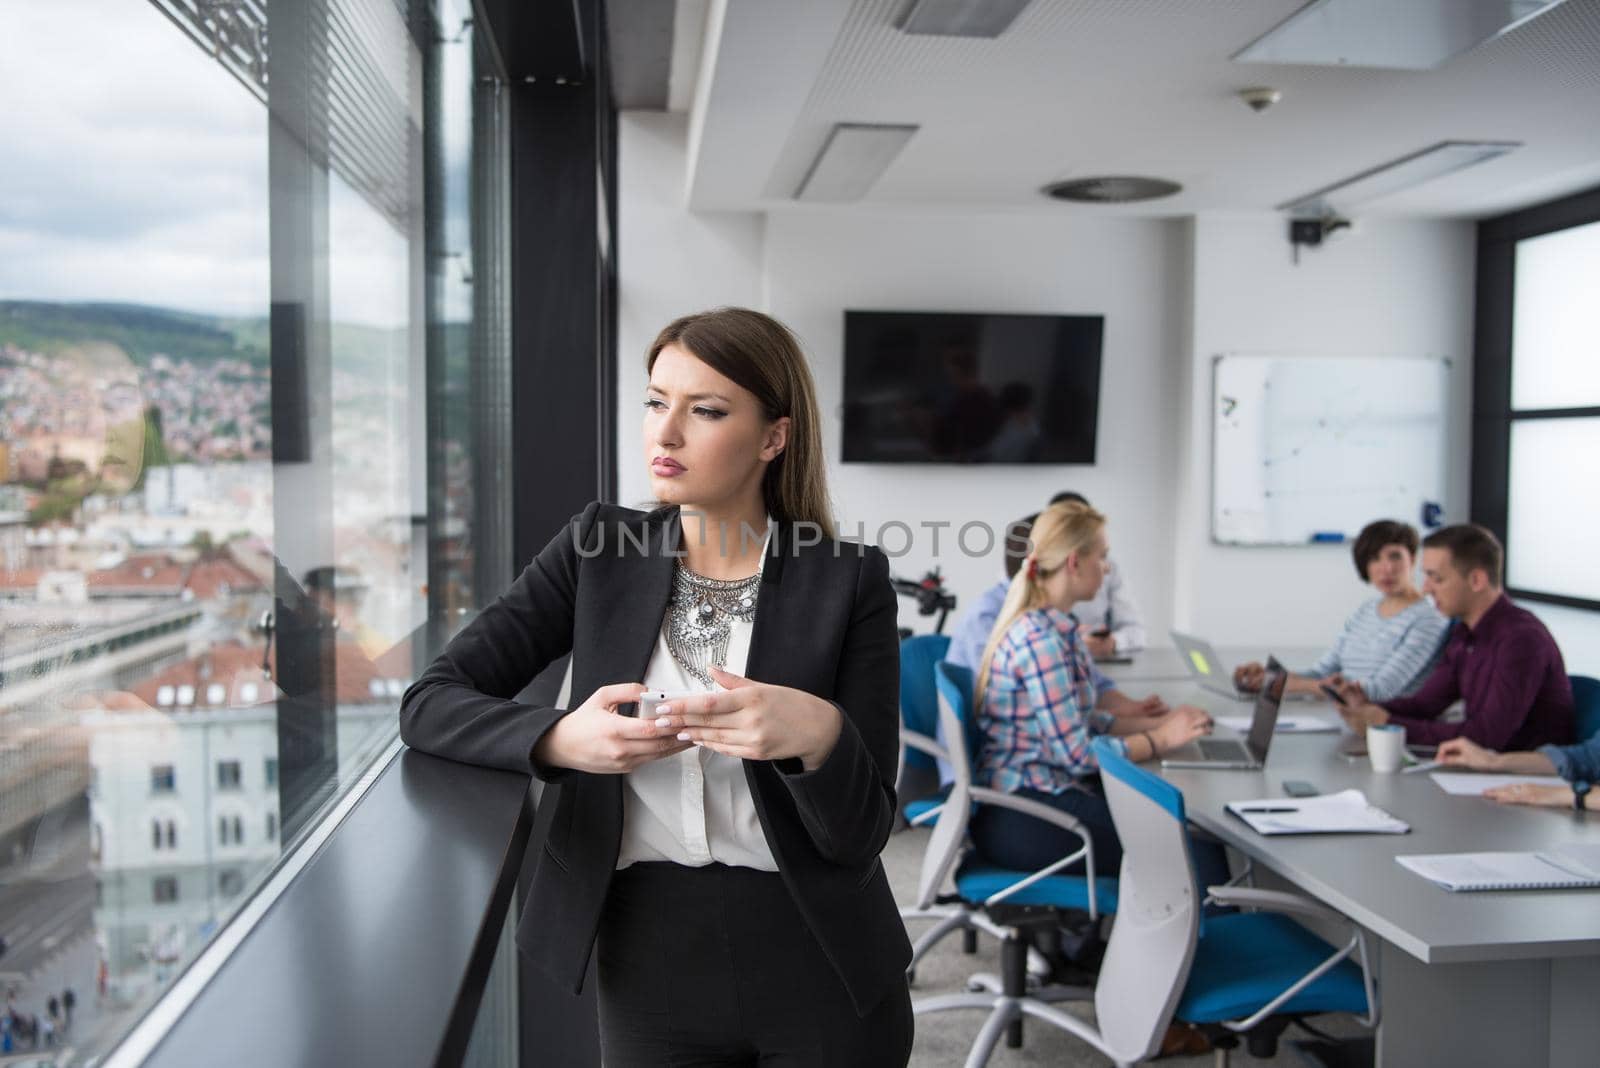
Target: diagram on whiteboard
[1310, 449]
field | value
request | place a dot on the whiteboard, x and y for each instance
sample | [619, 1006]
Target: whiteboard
[1310, 449]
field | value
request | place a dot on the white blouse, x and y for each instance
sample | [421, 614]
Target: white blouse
[693, 808]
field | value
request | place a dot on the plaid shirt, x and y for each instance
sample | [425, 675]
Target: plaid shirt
[1038, 712]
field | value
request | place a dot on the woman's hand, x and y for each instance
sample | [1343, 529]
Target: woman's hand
[1122, 706]
[593, 737]
[1465, 753]
[1249, 676]
[1179, 727]
[1528, 793]
[756, 721]
[1350, 691]
[1150, 706]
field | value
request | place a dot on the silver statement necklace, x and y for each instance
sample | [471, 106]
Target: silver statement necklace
[700, 618]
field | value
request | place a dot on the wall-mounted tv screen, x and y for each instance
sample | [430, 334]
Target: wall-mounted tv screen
[944, 387]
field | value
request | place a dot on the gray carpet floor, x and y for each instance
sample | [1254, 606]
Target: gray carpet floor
[944, 1038]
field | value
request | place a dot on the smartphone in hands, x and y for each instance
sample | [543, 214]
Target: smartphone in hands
[1333, 695]
[651, 700]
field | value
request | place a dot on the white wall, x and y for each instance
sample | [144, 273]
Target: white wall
[1392, 287]
[1174, 293]
[669, 263]
[1576, 632]
[818, 263]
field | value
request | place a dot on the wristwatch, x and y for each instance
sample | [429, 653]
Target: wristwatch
[1580, 795]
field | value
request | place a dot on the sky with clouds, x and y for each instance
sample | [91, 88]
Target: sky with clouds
[134, 168]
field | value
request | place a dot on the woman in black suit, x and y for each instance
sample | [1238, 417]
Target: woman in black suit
[723, 853]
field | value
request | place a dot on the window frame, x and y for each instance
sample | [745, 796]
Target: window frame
[163, 779]
[159, 883]
[1493, 415]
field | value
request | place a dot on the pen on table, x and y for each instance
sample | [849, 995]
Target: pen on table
[1267, 811]
[1426, 765]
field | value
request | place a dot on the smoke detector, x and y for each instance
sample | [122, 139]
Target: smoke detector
[1260, 97]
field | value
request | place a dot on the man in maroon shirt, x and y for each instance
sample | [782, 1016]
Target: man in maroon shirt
[1500, 660]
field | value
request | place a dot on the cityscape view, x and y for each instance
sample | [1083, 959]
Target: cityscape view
[143, 538]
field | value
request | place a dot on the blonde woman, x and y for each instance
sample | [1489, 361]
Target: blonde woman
[720, 858]
[1036, 707]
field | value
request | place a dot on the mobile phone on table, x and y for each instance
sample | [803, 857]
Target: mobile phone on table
[1299, 788]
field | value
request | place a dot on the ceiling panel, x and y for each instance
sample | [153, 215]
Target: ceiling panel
[1084, 87]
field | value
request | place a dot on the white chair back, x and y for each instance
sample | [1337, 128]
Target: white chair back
[950, 830]
[1153, 937]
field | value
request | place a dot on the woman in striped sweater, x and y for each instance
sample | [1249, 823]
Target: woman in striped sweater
[1390, 643]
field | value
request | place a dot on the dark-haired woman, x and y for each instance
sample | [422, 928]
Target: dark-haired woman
[1390, 643]
[721, 856]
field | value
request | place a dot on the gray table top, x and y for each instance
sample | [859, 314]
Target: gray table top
[1357, 873]
[1165, 665]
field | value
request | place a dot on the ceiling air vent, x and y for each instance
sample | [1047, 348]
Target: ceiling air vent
[1115, 189]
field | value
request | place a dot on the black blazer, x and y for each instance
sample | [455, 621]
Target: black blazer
[825, 623]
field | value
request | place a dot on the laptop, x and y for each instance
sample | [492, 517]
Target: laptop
[1232, 753]
[1207, 668]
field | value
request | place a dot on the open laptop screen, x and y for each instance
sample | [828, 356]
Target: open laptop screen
[1266, 714]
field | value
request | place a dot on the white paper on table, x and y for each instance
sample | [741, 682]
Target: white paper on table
[1292, 725]
[1346, 812]
[1473, 783]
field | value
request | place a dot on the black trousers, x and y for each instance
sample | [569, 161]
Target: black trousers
[715, 966]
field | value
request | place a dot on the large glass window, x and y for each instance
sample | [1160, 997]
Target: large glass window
[1551, 513]
[1555, 320]
[253, 371]
[1536, 412]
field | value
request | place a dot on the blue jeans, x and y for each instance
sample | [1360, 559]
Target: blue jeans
[1022, 843]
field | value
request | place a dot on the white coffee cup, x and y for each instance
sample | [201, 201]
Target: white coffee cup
[1386, 743]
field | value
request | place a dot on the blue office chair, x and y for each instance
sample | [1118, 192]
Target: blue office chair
[1242, 973]
[920, 749]
[1230, 974]
[1586, 699]
[1016, 906]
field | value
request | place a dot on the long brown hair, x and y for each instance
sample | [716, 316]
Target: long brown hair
[760, 354]
[1061, 530]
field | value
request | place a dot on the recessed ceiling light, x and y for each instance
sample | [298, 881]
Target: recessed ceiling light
[1415, 35]
[1112, 189]
[959, 18]
[1403, 173]
[854, 156]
